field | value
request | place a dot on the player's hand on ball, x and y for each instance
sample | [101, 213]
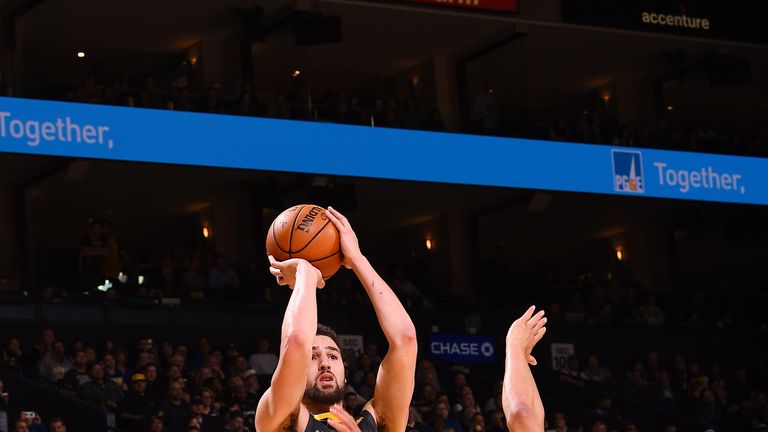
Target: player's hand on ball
[350, 248]
[526, 331]
[288, 271]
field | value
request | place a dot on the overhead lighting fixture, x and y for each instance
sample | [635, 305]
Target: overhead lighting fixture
[670, 107]
[428, 243]
[296, 73]
[80, 54]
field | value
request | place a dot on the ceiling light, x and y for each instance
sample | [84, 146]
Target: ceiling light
[80, 54]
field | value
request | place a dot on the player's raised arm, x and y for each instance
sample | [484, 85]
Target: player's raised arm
[298, 331]
[395, 381]
[520, 397]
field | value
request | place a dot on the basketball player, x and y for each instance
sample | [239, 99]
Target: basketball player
[309, 382]
[520, 397]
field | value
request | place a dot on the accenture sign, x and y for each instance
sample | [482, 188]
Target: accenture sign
[737, 20]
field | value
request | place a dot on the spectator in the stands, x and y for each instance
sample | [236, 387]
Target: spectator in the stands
[599, 426]
[235, 422]
[572, 373]
[192, 281]
[78, 375]
[94, 249]
[111, 372]
[263, 361]
[594, 372]
[12, 353]
[174, 411]
[45, 348]
[559, 422]
[57, 425]
[99, 392]
[56, 364]
[222, 279]
[442, 421]
[136, 407]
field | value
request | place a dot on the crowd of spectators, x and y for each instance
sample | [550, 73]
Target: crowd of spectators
[484, 116]
[173, 387]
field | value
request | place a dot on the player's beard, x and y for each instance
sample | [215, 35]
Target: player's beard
[325, 397]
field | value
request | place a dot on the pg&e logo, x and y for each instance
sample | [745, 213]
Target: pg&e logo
[628, 171]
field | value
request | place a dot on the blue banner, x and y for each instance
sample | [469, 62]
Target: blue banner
[462, 348]
[143, 135]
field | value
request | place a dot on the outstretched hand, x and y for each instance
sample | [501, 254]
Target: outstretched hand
[526, 331]
[288, 271]
[350, 248]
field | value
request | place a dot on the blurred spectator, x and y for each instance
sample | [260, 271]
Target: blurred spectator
[57, 425]
[192, 281]
[442, 422]
[235, 422]
[110, 266]
[94, 249]
[559, 422]
[415, 423]
[56, 365]
[12, 352]
[595, 372]
[32, 421]
[78, 374]
[100, 392]
[650, 313]
[111, 371]
[174, 411]
[263, 361]
[135, 409]
[572, 373]
[45, 347]
[222, 279]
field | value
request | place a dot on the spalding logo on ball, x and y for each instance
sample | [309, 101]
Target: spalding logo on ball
[304, 231]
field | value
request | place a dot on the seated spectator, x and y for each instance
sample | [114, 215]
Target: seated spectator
[222, 279]
[572, 374]
[31, 422]
[20, 426]
[57, 425]
[594, 372]
[426, 399]
[99, 392]
[559, 422]
[495, 422]
[636, 376]
[235, 422]
[442, 422]
[650, 313]
[192, 282]
[56, 365]
[600, 426]
[263, 361]
[44, 349]
[136, 407]
[605, 408]
[12, 353]
[652, 368]
[111, 372]
[174, 411]
[415, 423]
[239, 367]
[252, 384]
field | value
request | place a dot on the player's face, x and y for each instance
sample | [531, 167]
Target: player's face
[325, 380]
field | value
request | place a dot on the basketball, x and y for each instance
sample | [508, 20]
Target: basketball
[305, 231]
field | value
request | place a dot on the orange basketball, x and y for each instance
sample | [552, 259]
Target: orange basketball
[304, 231]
